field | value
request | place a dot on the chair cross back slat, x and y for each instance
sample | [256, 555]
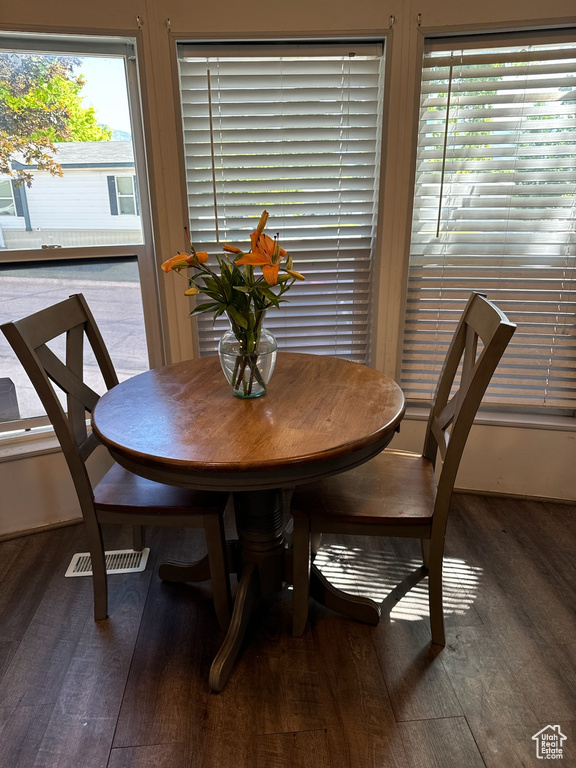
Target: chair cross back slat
[90, 443]
[29, 337]
[77, 405]
[68, 381]
[451, 416]
[68, 377]
[465, 349]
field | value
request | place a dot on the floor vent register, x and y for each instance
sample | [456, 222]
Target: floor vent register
[118, 561]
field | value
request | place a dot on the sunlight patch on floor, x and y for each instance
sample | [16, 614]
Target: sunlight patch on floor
[376, 574]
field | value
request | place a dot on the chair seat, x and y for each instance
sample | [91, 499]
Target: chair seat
[396, 487]
[123, 491]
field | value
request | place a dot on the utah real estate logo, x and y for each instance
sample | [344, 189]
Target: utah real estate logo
[549, 743]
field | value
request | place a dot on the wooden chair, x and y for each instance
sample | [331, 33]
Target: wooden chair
[120, 497]
[397, 493]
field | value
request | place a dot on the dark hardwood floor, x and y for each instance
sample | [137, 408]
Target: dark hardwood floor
[132, 692]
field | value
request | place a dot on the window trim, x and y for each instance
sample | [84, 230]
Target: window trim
[12, 197]
[131, 196]
[125, 47]
[114, 195]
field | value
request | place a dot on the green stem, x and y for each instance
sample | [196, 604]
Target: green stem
[249, 341]
[251, 382]
[236, 366]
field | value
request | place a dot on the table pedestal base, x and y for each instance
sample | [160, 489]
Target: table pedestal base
[264, 565]
[188, 572]
[199, 570]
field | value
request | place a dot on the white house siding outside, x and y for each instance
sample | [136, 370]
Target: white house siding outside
[75, 209]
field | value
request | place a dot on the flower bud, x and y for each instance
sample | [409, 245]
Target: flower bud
[295, 275]
[231, 248]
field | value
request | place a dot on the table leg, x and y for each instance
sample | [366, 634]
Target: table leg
[199, 570]
[246, 599]
[356, 607]
[174, 571]
[323, 591]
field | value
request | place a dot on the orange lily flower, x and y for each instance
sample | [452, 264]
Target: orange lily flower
[266, 253]
[179, 261]
[183, 260]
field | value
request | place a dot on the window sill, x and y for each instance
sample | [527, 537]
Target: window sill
[28, 445]
[489, 418]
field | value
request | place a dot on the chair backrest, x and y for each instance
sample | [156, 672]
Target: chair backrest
[452, 414]
[29, 337]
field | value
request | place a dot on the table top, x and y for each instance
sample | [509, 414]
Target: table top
[182, 424]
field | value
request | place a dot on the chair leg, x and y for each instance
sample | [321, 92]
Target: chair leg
[218, 560]
[138, 538]
[425, 544]
[436, 552]
[98, 560]
[301, 575]
[315, 543]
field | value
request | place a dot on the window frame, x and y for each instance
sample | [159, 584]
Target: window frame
[87, 45]
[123, 196]
[539, 417]
[12, 198]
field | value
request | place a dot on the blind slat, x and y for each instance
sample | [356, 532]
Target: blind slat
[505, 224]
[299, 137]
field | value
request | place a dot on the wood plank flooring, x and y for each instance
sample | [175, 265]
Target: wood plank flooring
[132, 692]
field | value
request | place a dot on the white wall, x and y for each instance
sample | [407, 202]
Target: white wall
[508, 460]
[36, 491]
[501, 459]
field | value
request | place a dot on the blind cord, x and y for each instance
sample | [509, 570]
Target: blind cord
[444, 150]
[212, 158]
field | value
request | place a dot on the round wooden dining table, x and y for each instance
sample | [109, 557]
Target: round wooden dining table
[181, 425]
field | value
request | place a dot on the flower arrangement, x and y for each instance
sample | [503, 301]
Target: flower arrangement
[245, 297]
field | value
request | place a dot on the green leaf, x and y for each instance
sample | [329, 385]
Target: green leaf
[242, 288]
[270, 295]
[208, 307]
[237, 317]
[213, 294]
[211, 284]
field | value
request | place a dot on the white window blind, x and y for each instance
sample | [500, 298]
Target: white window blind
[495, 211]
[295, 131]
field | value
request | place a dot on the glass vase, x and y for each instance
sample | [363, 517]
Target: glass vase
[248, 373]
